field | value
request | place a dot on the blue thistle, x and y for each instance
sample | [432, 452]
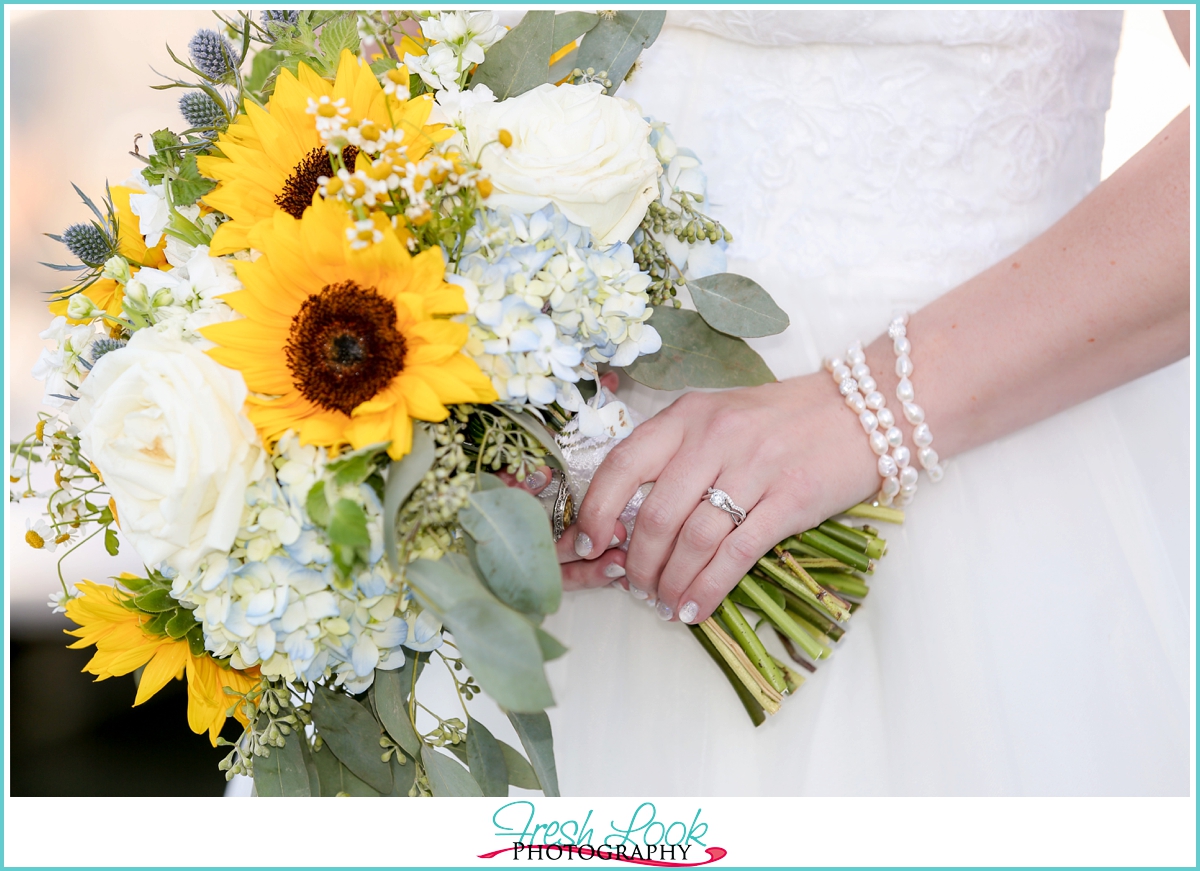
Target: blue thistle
[100, 347]
[90, 243]
[212, 54]
[202, 112]
[289, 17]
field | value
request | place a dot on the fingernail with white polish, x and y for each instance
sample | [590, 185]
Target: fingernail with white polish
[614, 570]
[617, 585]
[638, 594]
[652, 601]
[614, 542]
[583, 544]
[664, 611]
[688, 612]
[535, 481]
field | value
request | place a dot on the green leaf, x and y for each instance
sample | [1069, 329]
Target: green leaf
[195, 640]
[447, 777]
[135, 584]
[156, 600]
[283, 773]
[158, 624]
[737, 305]
[391, 704]
[317, 505]
[111, 543]
[350, 731]
[520, 772]
[488, 481]
[348, 525]
[404, 775]
[264, 63]
[337, 35]
[536, 738]
[521, 60]
[536, 429]
[515, 548]
[336, 778]
[569, 26]
[615, 43]
[551, 647]
[486, 760]
[353, 469]
[693, 354]
[497, 644]
[188, 185]
[403, 476]
[181, 623]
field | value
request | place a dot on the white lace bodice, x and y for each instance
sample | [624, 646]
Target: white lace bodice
[878, 158]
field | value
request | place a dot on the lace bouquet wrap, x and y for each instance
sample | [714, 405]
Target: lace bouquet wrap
[380, 258]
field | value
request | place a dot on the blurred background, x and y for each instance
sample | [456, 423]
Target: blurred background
[73, 119]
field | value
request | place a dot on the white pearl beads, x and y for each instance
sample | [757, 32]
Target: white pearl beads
[852, 375]
[913, 413]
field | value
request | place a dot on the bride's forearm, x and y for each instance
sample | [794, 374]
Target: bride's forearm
[1100, 298]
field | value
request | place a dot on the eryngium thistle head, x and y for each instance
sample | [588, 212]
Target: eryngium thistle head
[212, 54]
[202, 111]
[280, 16]
[100, 347]
[89, 243]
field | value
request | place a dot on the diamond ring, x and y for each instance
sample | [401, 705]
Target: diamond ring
[720, 499]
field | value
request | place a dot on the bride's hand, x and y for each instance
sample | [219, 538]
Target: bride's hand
[790, 454]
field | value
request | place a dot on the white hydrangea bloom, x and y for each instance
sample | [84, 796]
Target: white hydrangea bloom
[277, 601]
[545, 307]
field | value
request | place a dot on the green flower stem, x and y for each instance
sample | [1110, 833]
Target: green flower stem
[876, 512]
[745, 636]
[749, 702]
[762, 691]
[850, 585]
[812, 630]
[780, 619]
[794, 679]
[835, 606]
[812, 616]
[824, 543]
[794, 653]
[848, 536]
[785, 580]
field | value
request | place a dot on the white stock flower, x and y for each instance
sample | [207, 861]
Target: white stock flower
[64, 367]
[573, 146]
[163, 422]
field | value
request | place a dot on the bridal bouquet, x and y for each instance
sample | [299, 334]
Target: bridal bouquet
[384, 256]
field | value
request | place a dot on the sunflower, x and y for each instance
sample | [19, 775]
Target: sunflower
[345, 345]
[124, 644]
[273, 157]
[104, 292]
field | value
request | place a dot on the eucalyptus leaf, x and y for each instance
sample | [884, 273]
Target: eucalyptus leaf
[514, 548]
[403, 476]
[486, 760]
[569, 26]
[283, 773]
[335, 778]
[446, 582]
[349, 730]
[391, 704]
[538, 430]
[538, 741]
[500, 648]
[520, 772]
[521, 60]
[551, 647]
[488, 481]
[404, 775]
[447, 777]
[615, 43]
[737, 305]
[693, 354]
[310, 768]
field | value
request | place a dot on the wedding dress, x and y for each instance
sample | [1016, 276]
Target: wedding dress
[1028, 631]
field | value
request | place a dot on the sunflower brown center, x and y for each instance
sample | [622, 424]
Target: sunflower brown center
[300, 186]
[344, 347]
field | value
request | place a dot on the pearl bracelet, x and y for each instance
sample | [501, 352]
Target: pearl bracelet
[854, 381]
[913, 413]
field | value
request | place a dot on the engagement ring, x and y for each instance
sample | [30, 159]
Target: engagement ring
[720, 499]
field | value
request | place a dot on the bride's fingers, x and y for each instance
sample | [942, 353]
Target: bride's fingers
[637, 459]
[535, 482]
[675, 496]
[585, 574]
[564, 548]
[741, 549]
[610, 380]
[702, 533]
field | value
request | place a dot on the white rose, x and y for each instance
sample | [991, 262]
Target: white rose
[163, 423]
[573, 146]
